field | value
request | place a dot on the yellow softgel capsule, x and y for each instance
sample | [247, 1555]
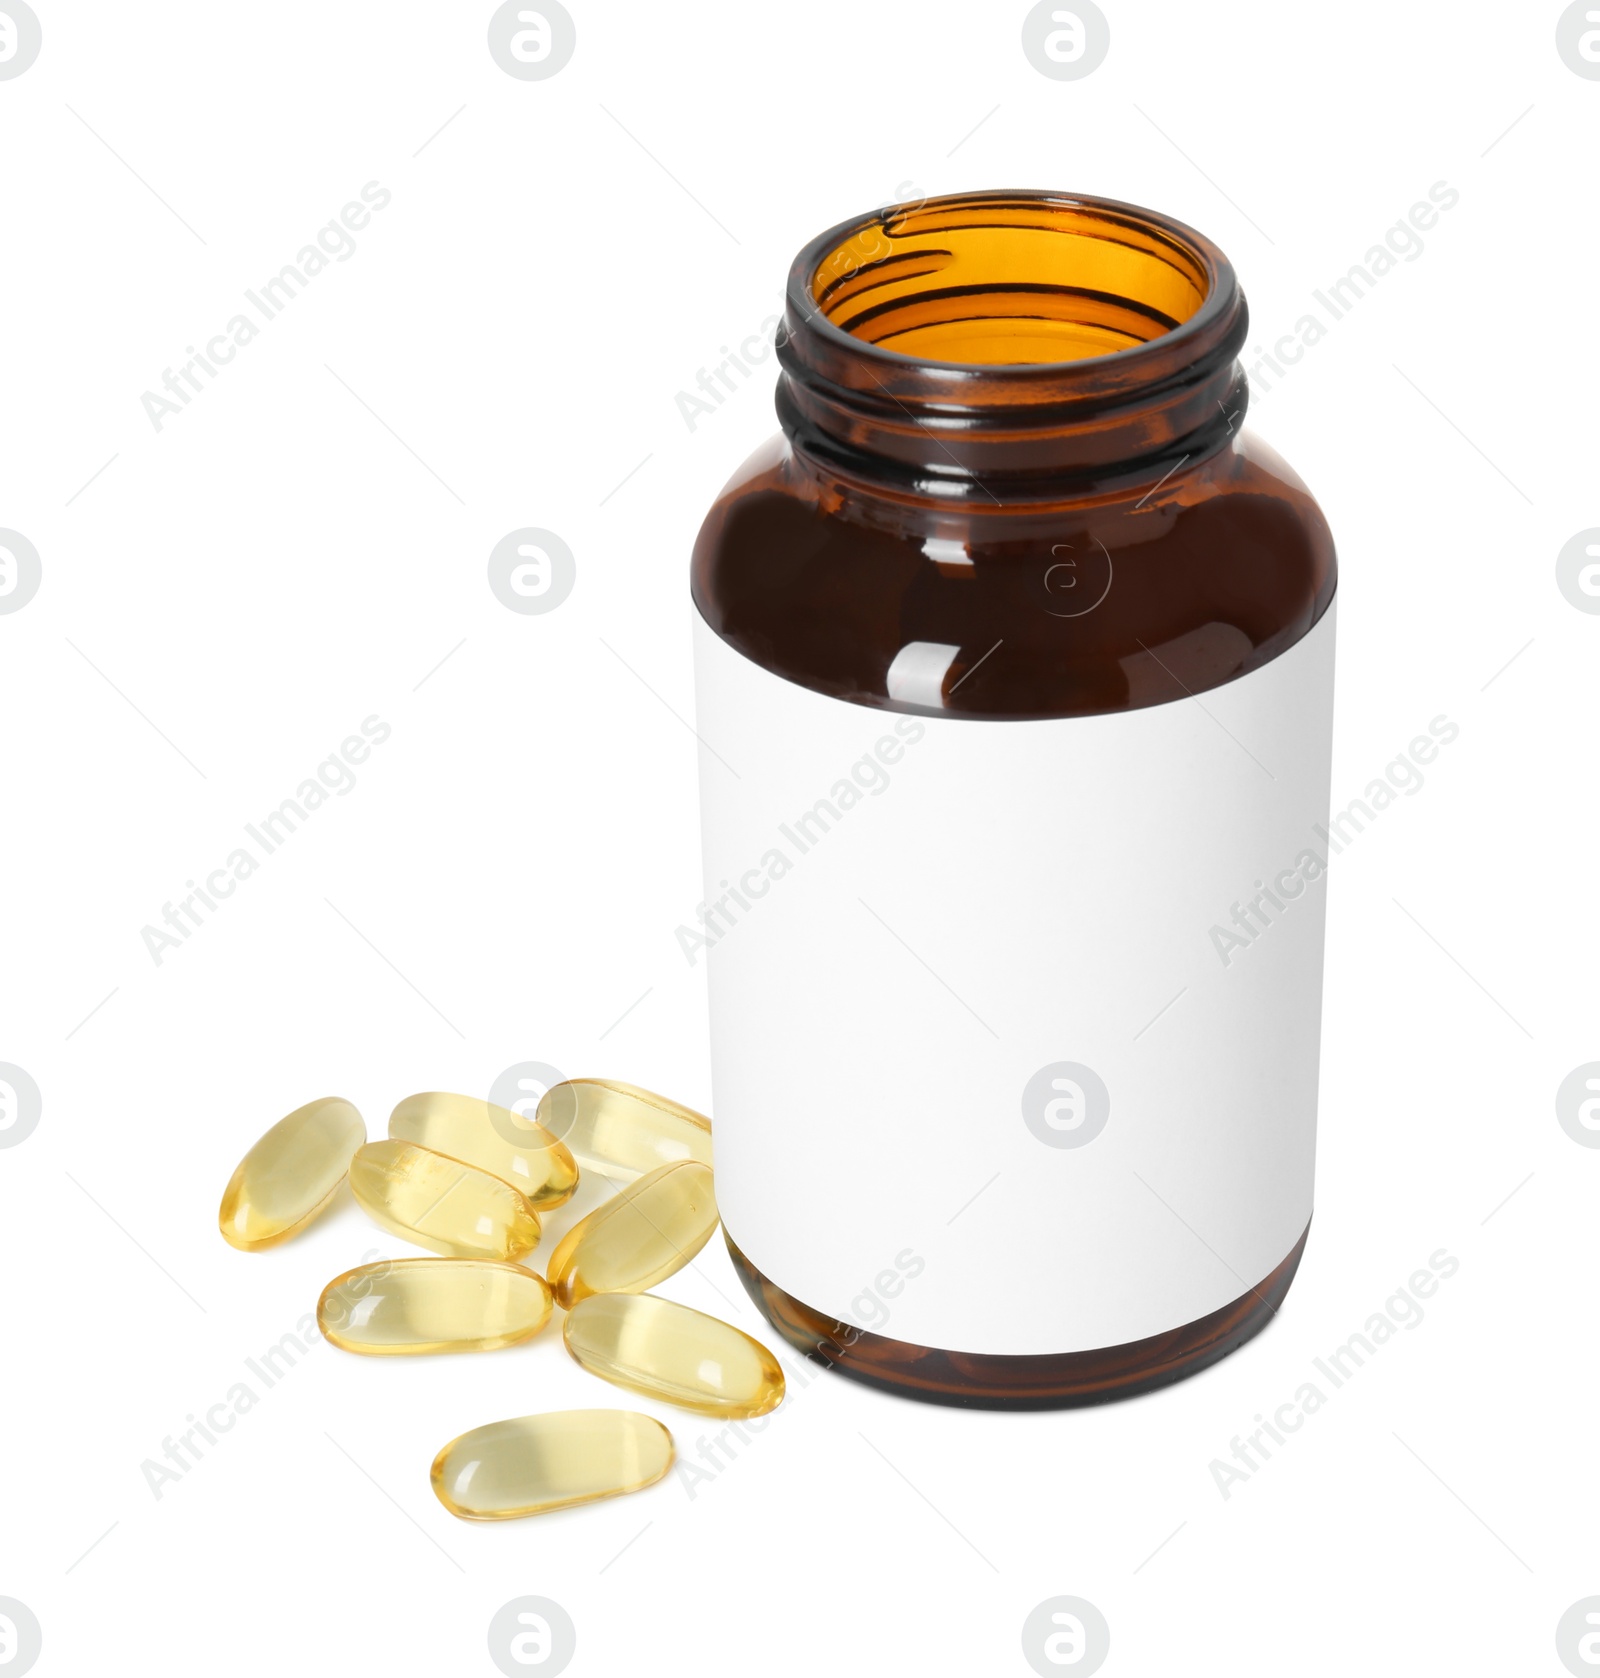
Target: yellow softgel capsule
[533, 1464]
[442, 1203]
[664, 1350]
[637, 1238]
[492, 1138]
[618, 1128]
[290, 1174]
[409, 1306]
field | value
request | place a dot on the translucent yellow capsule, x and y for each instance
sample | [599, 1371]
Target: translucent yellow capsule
[533, 1464]
[666, 1351]
[637, 1238]
[442, 1203]
[290, 1174]
[492, 1138]
[405, 1306]
[619, 1128]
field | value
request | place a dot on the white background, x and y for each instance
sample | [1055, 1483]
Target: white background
[228, 598]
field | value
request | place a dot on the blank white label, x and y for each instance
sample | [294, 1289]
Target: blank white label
[979, 996]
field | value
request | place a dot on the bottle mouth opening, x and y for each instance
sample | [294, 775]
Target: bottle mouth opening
[1012, 279]
[1010, 346]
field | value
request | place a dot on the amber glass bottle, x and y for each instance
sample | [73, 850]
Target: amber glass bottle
[1014, 666]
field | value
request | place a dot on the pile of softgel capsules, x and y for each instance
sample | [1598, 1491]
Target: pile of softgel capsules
[471, 1182]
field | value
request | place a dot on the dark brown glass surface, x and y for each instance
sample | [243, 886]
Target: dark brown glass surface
[973, 1380]
[1011, 423]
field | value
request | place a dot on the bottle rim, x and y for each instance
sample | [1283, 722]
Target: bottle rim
[950, 427]
[1221, 300]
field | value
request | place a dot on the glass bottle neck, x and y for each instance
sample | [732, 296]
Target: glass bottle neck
[1010, 348]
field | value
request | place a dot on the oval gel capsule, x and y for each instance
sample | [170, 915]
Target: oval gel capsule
[290, 1174]
[533, 1464]
[619, 1128]
[403, 1306]
[637, 1238]
[492, 1138]
[664, 1350]
[442, 1203]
